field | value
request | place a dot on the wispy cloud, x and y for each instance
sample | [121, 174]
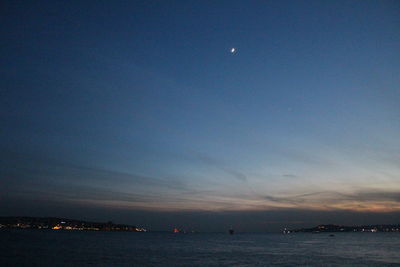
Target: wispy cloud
[359, 200]
[36, 177]
[220, 166]
[29, 177]
[19, 168]
[374, 195]
[289, 176]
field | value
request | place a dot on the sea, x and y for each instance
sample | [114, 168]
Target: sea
[22, 247]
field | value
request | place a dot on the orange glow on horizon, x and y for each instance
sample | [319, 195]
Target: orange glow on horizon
[220, 204]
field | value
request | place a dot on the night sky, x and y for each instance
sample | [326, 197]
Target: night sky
[138, 112]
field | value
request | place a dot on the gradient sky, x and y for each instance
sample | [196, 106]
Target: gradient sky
[137, 111]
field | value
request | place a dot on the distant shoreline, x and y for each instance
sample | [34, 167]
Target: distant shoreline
[331, 228]
[54, 223]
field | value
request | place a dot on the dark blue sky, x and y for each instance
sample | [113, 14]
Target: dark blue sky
[139, 106]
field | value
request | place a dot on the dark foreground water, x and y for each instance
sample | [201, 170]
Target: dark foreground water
[81, 248]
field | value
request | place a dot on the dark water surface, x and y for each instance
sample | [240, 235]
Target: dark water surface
[83, 248]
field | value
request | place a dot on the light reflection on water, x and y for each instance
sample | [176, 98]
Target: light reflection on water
[49, 248]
